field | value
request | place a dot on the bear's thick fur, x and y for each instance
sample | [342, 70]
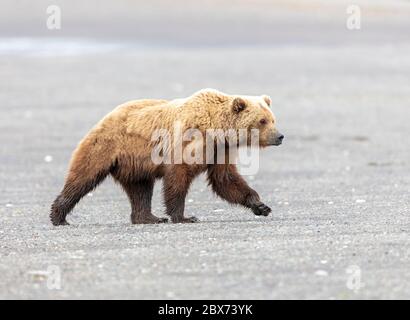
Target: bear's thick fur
[121, 145]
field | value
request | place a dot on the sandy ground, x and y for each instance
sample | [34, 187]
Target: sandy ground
[338, 186]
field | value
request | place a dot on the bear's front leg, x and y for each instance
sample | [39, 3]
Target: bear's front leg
[140, 195]
[176, 184]
[227, 183]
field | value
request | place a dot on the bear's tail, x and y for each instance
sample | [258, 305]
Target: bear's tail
[90, 164]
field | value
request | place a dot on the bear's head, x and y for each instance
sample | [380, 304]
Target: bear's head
[254, 112]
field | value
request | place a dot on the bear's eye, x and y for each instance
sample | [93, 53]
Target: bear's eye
[263, 121]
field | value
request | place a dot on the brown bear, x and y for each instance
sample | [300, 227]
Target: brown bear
[121, 144]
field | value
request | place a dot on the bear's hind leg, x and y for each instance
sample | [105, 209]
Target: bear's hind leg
[74, 189]
[140, 196]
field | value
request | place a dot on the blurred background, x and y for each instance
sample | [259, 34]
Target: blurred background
[339, 185]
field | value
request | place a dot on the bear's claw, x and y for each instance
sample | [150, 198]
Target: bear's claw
[186, 220]
[261, 210]
[60, 223]
[148, 220]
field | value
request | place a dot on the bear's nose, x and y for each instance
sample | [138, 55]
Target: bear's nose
[281, 137]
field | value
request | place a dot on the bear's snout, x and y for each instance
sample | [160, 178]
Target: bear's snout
[279, 139]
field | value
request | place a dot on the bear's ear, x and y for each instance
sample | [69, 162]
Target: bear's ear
[267, 99]
[238, 105]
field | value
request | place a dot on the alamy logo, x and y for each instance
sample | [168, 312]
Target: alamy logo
[354, 279]
[54, 17]
[216, 146]
[54, 278]
[353, 21]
